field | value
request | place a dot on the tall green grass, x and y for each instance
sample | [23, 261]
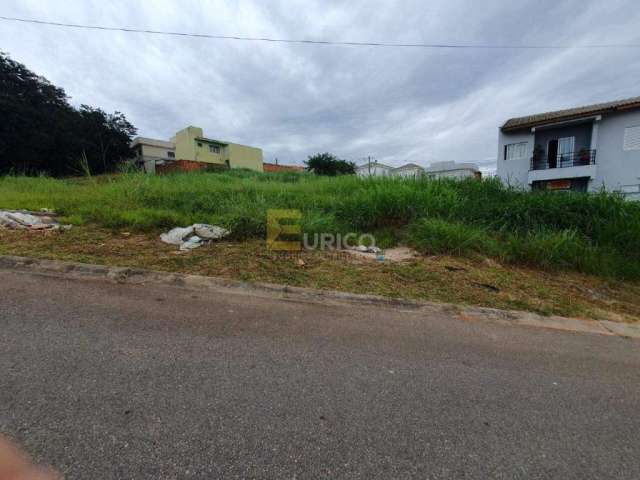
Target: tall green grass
[596, 233]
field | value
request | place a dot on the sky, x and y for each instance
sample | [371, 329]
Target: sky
[396, 105]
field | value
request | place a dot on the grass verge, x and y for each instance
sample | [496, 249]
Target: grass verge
[441, 278]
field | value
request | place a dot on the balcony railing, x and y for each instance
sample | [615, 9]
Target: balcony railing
[563, 160]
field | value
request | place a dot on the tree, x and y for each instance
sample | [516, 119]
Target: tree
[104, 137]
[40, 132]
[328, 164]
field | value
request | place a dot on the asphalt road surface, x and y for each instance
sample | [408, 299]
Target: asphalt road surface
[106, 381]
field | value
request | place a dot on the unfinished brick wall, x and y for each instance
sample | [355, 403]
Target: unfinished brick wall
[272, 167]
[181, 166]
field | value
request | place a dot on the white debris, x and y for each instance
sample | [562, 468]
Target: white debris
[194, 236]
[191, 243]
[365, 249]
[176, 236]
[210, 232]
[29, 221]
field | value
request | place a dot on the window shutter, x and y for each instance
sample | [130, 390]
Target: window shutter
[632, 138]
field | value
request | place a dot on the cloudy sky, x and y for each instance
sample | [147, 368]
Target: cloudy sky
[394, 104]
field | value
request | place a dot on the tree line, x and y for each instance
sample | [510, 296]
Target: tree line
[41, 132]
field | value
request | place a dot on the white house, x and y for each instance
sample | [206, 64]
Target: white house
[373, 169]
[580, 149]
[452, 170]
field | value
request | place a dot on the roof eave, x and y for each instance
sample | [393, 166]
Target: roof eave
[567, 118]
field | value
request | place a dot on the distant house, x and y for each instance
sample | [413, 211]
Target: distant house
[413, 170]
[190, 150]
[580, 149]
[410, 170]
[150, 152]
[452, 170]
[373, 169]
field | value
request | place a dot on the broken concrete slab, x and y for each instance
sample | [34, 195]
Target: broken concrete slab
[194, 236]
[27, 220]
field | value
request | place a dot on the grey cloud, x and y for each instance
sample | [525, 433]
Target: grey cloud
[396, 105]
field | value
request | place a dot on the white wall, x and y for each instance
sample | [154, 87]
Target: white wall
[617, 169]
[455, 174]
[376, 171]
[515, 172]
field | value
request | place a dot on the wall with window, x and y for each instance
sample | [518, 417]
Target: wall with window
[514, 156]
[192, 145]
[149, 155]
[619, 161]
[156, 151]
[209, 151]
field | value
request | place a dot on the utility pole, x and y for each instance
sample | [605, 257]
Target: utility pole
[369, 162]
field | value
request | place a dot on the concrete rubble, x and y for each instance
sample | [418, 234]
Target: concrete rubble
[26, 220]
[195, 236]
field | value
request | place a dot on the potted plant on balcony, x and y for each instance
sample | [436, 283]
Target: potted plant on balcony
[584, 156]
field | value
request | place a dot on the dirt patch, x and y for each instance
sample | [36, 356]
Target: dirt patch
[396, 254]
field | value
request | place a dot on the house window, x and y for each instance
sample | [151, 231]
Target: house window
[171, 154]
[515, 151]
[214, 148]
[627, 189]
[632, 138]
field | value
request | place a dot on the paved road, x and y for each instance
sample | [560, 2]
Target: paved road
[112, 381]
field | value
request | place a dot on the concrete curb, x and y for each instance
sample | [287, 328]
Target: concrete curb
[137, 276]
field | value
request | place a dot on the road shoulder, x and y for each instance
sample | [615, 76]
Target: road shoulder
[125, 275]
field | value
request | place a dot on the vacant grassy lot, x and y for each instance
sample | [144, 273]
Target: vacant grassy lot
[596, 234]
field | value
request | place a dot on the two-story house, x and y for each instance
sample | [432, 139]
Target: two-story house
[581, 149]
[189, 146]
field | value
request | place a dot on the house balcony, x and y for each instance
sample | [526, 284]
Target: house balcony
[566, 165]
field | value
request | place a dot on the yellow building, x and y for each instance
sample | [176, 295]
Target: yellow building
[190, 144]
